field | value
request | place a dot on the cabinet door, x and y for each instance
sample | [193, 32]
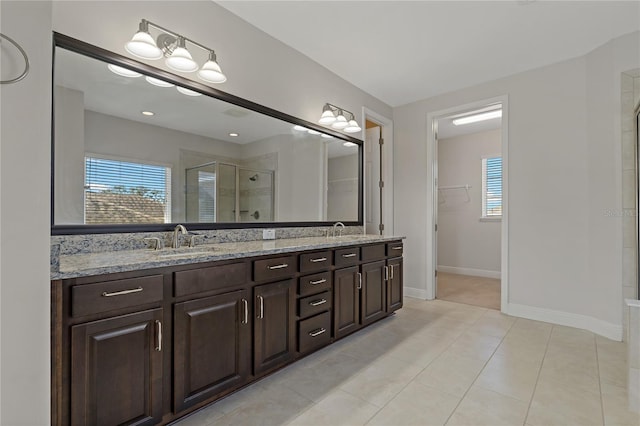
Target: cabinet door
[274, 330]
[211, 347]
[346, 301]
[394, 285]
[116, 374]
[374, 292]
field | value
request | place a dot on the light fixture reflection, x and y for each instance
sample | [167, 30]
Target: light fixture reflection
[477, 117]
[124, 72]
[300, 128]
[158, 82]
[349, 144]
[313, 132]
[188, 92]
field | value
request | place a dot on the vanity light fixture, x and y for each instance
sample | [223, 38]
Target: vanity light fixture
[124, 72]
[173, 46]
[477, 117]
[188, 92]
[158, 82]
[339, 118]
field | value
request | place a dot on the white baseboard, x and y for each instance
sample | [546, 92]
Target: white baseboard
[469, 271]
[416, 293]
[603, 328]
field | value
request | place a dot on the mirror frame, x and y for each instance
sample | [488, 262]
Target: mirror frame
[83, 48]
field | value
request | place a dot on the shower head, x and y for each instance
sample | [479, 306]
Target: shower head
[254, 178]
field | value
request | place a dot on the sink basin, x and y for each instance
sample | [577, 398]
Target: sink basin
[187, 251]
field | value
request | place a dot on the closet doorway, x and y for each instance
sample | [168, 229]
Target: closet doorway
[469, 209]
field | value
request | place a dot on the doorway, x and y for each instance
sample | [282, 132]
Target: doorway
[467, 148]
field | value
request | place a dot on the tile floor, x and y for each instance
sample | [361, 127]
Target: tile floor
[476, 291]
[437, 363]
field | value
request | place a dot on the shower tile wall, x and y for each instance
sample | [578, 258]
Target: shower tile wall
[630, 82]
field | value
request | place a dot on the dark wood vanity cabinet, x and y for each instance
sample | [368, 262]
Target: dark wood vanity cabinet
[212, 347]
[148, 347]
[116, 375]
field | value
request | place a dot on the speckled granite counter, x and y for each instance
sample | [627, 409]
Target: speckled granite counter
[80, 265]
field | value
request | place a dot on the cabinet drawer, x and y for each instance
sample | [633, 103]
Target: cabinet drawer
[394, 249]
[88, 299]
[314, 283]
[375, 252]
[346, 257]
[314, 332]
[312, 305]
[278, 267]
[316, 261]
[206, 279]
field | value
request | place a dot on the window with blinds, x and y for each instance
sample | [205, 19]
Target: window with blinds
[126, 192]
[492, 187]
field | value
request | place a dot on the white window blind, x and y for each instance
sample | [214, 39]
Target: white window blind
[492, 187]
[126, 192]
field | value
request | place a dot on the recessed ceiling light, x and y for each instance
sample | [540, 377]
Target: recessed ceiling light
[313, 132]
[233, 135]
[349, 144]
[300, 128]
[149, 113]
[125, 72]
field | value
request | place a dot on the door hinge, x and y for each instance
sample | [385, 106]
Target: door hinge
[381, 184]
[436, 273]
[381, 227]
[381, 141]
[436, 227]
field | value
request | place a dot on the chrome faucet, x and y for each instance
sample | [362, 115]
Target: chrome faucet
[175, 243]
[335, 227]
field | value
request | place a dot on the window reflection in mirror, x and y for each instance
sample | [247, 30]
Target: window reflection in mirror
[131, 148]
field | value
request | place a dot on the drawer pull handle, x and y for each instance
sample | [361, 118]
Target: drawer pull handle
[396, 248]
[359, 281]
[159, 347]
[316, 282]
[386, 273]
[317, 332]
[318, 302]
[246, 311]
[349, 255]
[282, 265]
[392, 266]
[121, 293]
[320, 259]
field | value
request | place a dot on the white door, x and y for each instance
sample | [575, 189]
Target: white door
[372, 180]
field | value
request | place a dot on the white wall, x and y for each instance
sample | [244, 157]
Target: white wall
[564, 152]
[296, 85]
[25, 139]
[342, 188]
[466, 244]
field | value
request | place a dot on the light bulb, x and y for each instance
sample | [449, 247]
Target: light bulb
[124, 72]
[341, 122]
[352, 127]
[180, 59]
[142, 44]
[158, 82]
[211, 71]
[188, 92]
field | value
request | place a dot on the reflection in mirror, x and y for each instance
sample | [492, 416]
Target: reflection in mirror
[136, 149]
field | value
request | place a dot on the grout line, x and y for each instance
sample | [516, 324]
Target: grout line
[480, 372]
[535, 387]
[595, 342]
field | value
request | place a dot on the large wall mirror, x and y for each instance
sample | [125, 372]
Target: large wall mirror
[138, 148]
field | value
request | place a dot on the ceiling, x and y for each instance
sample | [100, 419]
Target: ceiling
[404, 51]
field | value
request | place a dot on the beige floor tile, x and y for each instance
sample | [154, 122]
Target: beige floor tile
[416, 405]
[485, 407]
[565, 402]
[473, 345]
[522, 351]
[337, 408]
[451, 373]
[510, 377]
[420, 351]
[493, 324]
[618, 409]
[382, 380]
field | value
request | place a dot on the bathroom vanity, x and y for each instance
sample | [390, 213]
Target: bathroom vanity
[174, 330]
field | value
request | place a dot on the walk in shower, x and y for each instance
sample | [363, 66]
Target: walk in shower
[225, 192]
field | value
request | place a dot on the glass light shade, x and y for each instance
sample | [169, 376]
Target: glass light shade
[313, 132]
[158, 82]
[211, 72]
[324, 135]
[327, 117]
[352, 127]
[181, 60]
[188, 92]
[300, 128]
[142, 45]
[340, 123]
[124, 72]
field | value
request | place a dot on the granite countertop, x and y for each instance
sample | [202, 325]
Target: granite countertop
[80, 265]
